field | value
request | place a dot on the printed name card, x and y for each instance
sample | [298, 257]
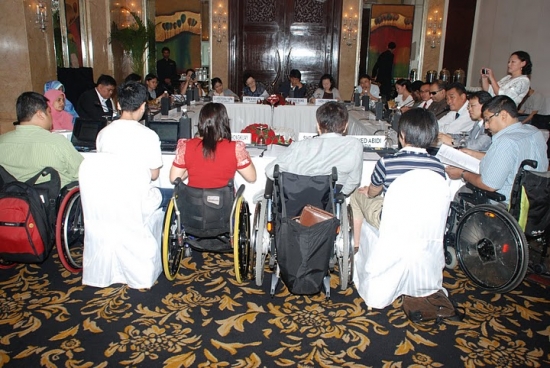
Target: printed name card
[251, 100]
[297, 101]
[223, 99]
[244, 137]
[372, 141]
[304, 135]
[322, 101]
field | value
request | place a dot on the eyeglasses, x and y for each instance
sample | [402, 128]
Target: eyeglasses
[433, 93]
[486, 120]
[471, 106]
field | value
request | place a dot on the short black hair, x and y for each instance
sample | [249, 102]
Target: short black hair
[418, 127]
[28, 104]
[165, 49]
[482, 96]
[523, 56]
[215, 81]
[106, 80]
[458, 86]
[441, 84]
[499, 103]
[416, 85]
[131, 95]
[392, 45]
[329, 77]
[150, 76]
[332, 117]
[361, 76]
[295, 73]
[247, 75]
[133, 77]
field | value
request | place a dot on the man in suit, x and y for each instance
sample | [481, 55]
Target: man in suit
[167, 71]
[96, 103]
[458, 119]
[382, 72]
[439, 105]
[477, 138]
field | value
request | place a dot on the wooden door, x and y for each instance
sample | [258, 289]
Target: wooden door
[270, 37]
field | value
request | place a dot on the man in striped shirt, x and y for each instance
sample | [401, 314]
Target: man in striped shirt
[418, 129]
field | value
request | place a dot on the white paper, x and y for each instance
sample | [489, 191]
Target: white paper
[223, 99]
[370, 156]
[371, 141]
[451, 156]
[322, 101]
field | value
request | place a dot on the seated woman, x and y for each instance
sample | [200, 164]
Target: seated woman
[218, 90]
[404, 93]
[69, 107]
[326, 89]
[211, 160]
[253, 88]
[514, 85]
[190, 81]
[61, 119]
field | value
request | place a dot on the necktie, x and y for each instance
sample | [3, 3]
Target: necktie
[109, 105]
[425, 105]
[457, 115]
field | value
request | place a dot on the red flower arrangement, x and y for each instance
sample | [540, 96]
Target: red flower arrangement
[274, 100]
[269, 135]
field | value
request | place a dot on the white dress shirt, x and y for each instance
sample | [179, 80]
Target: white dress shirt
[450, 124]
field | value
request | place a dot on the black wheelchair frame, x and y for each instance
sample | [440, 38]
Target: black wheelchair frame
[487, 240]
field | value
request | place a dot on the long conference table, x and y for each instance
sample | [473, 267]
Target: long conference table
[288, 120]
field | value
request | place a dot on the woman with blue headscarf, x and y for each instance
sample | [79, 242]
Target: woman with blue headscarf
[59, 86]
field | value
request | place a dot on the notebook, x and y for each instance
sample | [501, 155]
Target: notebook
[85, 133]
[168, 132]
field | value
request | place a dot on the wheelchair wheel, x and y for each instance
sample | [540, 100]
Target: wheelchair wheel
[241, 237]
[4, 265]
[69, 231]
[491, 248]
[450, 258]
[258, 241]
[172, 242]
[345, 238]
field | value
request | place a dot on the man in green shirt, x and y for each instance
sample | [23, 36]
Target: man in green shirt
[31, 146]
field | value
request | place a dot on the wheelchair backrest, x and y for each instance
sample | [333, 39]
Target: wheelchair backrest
[297, 191]
[205, 212]
[531, 204]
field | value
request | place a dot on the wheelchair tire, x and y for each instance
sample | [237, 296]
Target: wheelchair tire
[241, 238]
[257, 241]
[69, 231]
[492, 248]
[450, 258]
[5, 265]
[345, 265]
[172, 250]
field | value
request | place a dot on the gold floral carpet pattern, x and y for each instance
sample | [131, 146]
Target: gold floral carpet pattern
[205, 319]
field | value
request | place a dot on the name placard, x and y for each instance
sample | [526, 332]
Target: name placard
[372, 141]
[322, 101]
[304, 135]
[244, 137]
[297, 101]
[223, 99]
[251, 100]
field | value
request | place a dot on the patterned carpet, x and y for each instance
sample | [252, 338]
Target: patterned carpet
[204, 319]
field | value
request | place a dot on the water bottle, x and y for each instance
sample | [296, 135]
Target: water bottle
[357, 96]
[164, 104]
[365, 102]
[185, 126]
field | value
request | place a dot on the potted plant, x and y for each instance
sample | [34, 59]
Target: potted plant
[134, 40]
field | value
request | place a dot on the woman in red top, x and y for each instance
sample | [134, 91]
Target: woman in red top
[212, 159]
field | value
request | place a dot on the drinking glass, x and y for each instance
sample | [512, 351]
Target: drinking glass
[260, 140]
[463, 140]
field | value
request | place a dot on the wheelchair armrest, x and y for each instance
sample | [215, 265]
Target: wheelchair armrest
[268, 193]
[531, 163]
[479, 195]
[240, 191]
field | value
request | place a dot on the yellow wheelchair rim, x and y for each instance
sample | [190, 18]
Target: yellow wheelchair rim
[166, 241]
[235, 240]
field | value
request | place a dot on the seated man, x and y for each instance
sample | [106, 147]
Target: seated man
[417, 131]
[425, 97]
[293, 88]
[477, 139]
[121, 207]
[457, 120]
[96, 103]
[317, 156]
[368, 88]
[513, 142]
[31, 146]
[439, 105]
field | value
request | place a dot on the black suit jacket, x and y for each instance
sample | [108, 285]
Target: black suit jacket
[439, 109]
[383, 69]
[284, 89]
[89, 106]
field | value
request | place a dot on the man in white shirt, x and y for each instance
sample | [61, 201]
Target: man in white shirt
[368, 88]
[458, 119]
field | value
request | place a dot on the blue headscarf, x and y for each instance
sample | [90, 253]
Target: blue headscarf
[68, 105]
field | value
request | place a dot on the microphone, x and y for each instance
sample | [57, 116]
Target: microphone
[98, 104]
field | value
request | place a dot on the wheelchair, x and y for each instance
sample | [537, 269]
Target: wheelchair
[492, 243]
[269, 213]
[212, 220]
[68, 229]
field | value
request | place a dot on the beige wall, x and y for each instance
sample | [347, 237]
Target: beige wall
[220, 50]
[349, 54]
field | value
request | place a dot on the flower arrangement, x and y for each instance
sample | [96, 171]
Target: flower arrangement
[274, 100]
[258, 129]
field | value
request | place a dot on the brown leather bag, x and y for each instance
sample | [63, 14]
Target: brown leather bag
[312, 215]
[432, 307]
